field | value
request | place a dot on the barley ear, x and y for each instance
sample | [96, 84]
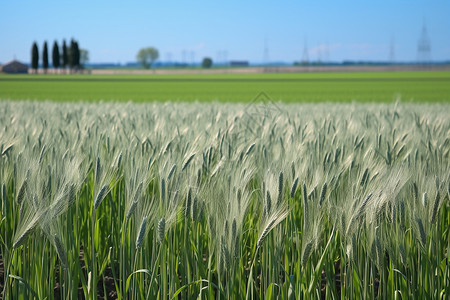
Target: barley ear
[225, 252]
[322, 193]
[239, 197]
[141, 233]
[422, 234]
[131, 210]
[100, 196]
[211, 225]
[280, 188]
[293, 170]
[305, 206]
[306, 253]
[435, 208]
[119, 161]
[187, 162]
[21, 239]
[294, 188]
[424, 199]
[194, 208]
[161, 229]
[60, 250]
[97, 170]
[22, 192]
[234, 229]
[268, 203]
[163, 190]
[172, 170]
[249, 149]
[415, 192]
[265, 233]
[188, 203]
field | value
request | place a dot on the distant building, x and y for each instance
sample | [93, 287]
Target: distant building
[239, 63]
[14, 67]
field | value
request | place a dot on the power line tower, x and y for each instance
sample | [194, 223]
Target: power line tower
[319, 54]
[225, 57]
[193, 57]
[305, 57]
[169, 57]
[424, 47]
[392, 51]
[266, 52]
[183, 57]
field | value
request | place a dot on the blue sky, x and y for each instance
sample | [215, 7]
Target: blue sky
[114, 31]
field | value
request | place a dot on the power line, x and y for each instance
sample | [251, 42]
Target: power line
[266, 52]
[392, 51]
[424, 47]
[183, 55]
[305, 57]
[192, 57]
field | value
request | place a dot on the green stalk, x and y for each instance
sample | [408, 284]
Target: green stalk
[93, 291]
[250, 277]
[153, 274]
[162, 265]
[210, 289]
[186, 251]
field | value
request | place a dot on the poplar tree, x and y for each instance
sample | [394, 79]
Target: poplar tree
[65, 57]
[45, 57]
[34, 57]
[55, 56]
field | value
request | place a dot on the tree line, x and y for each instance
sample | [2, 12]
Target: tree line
[70, 56]
[147, 56]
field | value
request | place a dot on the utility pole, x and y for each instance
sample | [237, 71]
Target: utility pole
[305, 56]
[424, 47]
[392, 51]
[266, 53]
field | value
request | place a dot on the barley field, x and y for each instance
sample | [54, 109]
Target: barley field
[224, 201]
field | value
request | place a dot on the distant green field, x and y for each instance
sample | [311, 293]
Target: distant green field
[304, 87]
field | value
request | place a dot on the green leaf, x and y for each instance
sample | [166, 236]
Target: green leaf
[269, 292]
[356, 283]
[318, 268]
[118, 290]
[135, 272]
[196, 282]
[291, 291]
[390, 281]
[25, 283]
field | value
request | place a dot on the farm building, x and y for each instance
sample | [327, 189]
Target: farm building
[14, 67]
[239, 63]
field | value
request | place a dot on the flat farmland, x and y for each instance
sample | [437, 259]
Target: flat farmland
[215, 195]
[423, 86]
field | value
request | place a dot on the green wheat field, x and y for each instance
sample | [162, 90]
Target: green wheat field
[262, 186]
[298, 87]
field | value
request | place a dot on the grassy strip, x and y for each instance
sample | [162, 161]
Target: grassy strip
[329, 87]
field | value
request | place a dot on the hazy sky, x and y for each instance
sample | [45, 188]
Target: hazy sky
[114, 31]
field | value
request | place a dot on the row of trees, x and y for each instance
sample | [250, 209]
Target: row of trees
[72, 57]
[147, 56]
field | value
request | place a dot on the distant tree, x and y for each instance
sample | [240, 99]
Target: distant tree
[147, 56]
[70, 55]
[34, 57]
[45, 57]
[65, 55]
[76, 55]
[73, 55]
[84, 57]
[207, 63]
[55, 56]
